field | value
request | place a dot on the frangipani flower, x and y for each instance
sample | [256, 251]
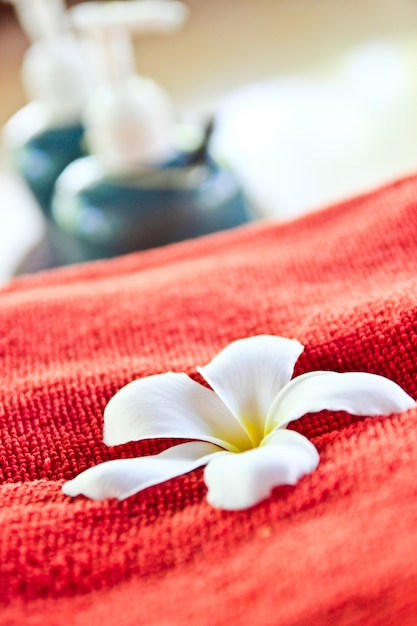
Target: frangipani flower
[238, 427]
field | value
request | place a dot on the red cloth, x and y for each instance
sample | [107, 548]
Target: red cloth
[338, 548]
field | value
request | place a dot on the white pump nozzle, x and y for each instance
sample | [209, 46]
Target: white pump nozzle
[54, 72]
[137, 16]
[39, 19]
[111, 25]
[129, 120]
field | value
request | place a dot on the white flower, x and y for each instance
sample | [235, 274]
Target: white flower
[239, 425]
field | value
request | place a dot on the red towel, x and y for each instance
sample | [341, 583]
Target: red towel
[338, 548]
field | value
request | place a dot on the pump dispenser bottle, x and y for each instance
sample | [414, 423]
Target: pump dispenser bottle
[41, 139]
[148, 181]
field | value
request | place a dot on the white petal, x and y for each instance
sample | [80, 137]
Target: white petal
[170, 406]
[238, 481]
[124, 477]
[284, 437]
[248, 374]
[358, 393]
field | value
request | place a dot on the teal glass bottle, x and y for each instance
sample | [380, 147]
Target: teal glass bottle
[104, 215]
[43, 137]
[143, 185]
[43, 156]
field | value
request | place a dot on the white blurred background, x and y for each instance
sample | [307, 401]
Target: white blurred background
[316, 100]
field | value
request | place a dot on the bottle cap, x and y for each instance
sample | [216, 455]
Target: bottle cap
[54, 71]
[129, 119]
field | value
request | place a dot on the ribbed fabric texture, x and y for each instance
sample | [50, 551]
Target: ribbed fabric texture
[338, 548]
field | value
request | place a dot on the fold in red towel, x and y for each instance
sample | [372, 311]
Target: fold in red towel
[338, 548]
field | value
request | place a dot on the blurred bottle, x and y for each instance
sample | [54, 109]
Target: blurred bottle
[149, 181]
[43, 137]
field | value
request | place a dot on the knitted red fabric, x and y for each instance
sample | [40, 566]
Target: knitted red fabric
[338, 548]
